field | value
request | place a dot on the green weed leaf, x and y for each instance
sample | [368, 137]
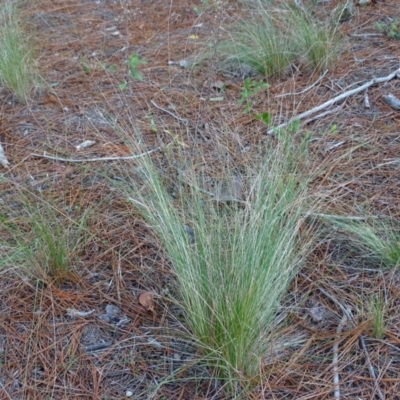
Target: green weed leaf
[134, 62]
[264, 117]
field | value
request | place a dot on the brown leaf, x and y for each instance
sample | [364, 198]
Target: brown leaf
[146, 300]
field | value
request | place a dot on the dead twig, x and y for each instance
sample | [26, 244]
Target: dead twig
[370, 367]
[304, 90]
[185, 121]
[98, 346]
[336, 99]
[392, 346]
[347, 313]
[73, 160]
[335, 361]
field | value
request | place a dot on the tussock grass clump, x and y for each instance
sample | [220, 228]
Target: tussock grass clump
[276, 37]
[17, 68]
[233, 260]
[258, 44]
[318, 43]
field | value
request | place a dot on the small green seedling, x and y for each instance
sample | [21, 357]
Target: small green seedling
[111, 68]
[377, 310]
[264, 117]
[134, 62]
[333, 128]
[197, 10]
[85, 67]
[249, 89]
[153, 124]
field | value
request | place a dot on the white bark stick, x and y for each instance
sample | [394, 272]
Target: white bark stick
[340, 97]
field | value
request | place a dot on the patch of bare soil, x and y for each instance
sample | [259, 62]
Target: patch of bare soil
[60, 340]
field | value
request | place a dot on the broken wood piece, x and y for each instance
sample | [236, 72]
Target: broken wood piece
[76, 313]
[366, 100]
[85, 144]
[391, 101]
[3, 159]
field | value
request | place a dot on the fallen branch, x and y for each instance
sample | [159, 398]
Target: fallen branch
[336, 99]
[72, 160]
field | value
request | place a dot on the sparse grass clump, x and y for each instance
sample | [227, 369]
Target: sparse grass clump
[233, 260]
[377, 239]
[391, 29]
[57, 241]
[277, 37]
[41, 241]
[17, 68]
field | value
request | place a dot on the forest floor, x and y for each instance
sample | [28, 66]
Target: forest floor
[83, 49]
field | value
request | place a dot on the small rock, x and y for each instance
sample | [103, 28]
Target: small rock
[183, 64]
[109, 318]
[113, 310]
[392, 101]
